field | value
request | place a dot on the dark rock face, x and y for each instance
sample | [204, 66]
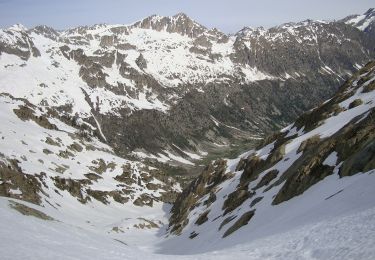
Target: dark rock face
[179, 23]
[362, 161]
[255, 201]
[267, 179]
[355, 103]
[46, 31]
[144, 200]
[27, 211]
[141, 62]
[235, 199]
[301, 47]
[107, 41]
[202, 218]
[207, 182]
[354, 145]
[74, 187]
[21, 44]
[242, 221]
[26, 113]
[257, 108]
[12, 178]
[226, 221]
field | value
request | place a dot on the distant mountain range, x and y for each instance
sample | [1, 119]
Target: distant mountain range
[169, 89]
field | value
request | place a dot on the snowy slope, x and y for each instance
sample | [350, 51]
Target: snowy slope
[318, 168]
[28, 237]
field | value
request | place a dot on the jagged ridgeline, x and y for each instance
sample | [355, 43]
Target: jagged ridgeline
[308, 170]
[168, 89]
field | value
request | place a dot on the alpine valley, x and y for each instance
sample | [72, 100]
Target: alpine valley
[115, 139]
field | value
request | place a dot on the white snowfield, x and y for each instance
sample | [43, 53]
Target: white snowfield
[348, 236]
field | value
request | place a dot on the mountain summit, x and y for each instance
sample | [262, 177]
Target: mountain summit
[179, 23]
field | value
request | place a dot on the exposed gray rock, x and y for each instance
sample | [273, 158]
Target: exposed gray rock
[179, 23]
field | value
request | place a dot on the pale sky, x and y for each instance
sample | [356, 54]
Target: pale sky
[228, 16]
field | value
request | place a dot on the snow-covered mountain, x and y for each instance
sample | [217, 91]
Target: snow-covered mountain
[169, 89]
[364, 22]
[92, 116]
[320, 167]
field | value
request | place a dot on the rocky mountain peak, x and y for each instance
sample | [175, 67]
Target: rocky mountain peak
[15, 40]
[244, 31]
[46, 31]
[250, 31]
[179, 23]
[182, 16]
[370, 12]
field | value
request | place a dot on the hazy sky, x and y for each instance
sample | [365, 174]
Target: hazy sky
[229, 16]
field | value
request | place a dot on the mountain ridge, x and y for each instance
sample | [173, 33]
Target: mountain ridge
[119, 72]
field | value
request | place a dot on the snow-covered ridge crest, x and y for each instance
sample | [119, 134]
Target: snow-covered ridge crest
[364, 22]
[179, 23]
